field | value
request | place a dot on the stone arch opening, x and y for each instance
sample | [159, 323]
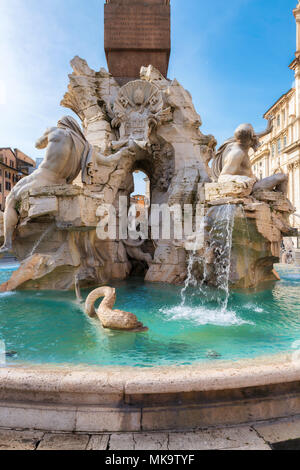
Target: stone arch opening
[141, 255]
[141, 194]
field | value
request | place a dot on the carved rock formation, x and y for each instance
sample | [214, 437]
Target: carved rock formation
[149, 125]
[261, 221]
[156, 120]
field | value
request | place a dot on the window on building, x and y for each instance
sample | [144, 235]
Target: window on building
[273, 151]
[279, 146]
[278, 120]
[7, 186]
[12, 164]
[285, 141]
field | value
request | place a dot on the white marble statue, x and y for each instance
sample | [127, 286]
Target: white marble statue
[232, 162]
[67, 154]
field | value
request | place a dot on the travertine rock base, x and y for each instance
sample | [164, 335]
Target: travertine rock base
[261, 221]
[151, 125]
[56, 239]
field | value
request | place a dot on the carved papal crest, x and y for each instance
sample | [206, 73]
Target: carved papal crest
[137, 110]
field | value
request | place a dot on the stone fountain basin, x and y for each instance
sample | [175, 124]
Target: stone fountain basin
[117, 399]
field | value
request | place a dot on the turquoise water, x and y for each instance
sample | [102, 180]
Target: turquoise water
[47, 327]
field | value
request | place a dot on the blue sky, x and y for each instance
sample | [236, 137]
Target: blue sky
[233, 57]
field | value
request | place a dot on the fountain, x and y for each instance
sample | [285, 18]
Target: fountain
[147, 124]
[220, 335]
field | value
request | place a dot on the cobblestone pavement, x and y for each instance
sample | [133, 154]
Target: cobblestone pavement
[279, 434]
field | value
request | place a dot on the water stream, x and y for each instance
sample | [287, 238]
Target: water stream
[190, 279]
[221, 242]
[42, 237]
[220, 247]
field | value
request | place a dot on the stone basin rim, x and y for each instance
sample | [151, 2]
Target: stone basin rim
[219, 375]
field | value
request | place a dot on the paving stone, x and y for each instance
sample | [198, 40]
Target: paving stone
[151, 441]
[227, 438]
[64, 442]
[240, 438]
[121, 442]
[279, 431]
[253, 447]
[19, 440]
[98, 442]
[139, 441]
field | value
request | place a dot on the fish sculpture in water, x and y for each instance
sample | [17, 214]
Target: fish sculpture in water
[109, 318]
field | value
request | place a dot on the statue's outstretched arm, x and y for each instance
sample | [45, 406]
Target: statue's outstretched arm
[42, 142]
[267, 131]
[112, 159]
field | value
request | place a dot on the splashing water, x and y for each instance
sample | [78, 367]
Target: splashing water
[193, 259]
[42, 237]
[220, 237]
[78, 290]
[190, 279]
[220, 244]
[203, 315]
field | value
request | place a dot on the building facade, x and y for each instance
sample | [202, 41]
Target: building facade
[280, 150]
[139, 200]
[14, 165]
